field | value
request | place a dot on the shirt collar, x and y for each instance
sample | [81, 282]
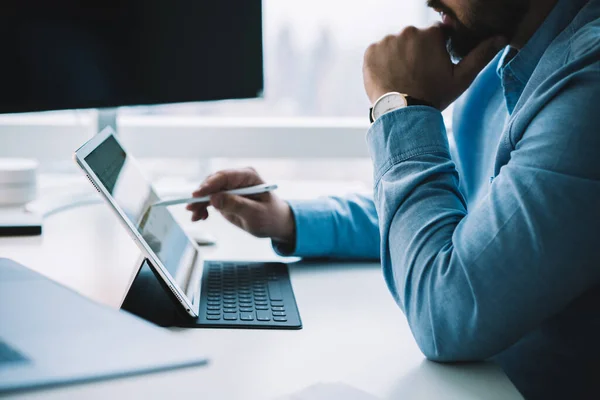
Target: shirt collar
[515, 67]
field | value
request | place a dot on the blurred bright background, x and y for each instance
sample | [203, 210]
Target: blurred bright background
[313, 53]
[313, 57]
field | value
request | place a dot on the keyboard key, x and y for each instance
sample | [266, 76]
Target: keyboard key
[213, 317]
[229, 296]
[230, 309]
[213, 312]
[278, 314]
[214, 303]
[277, 308]
[276, 303]
[230, 317]
[262, 307]
[260, 298]
[263, 316]
[246, 309]
[228, 301]
[213, 307]
[274, 291]
[261, 302]
[280, 319]
[246, 316]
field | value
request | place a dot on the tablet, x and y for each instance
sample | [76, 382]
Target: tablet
[172, 253]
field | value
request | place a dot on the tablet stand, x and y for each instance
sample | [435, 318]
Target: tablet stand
[150, 299]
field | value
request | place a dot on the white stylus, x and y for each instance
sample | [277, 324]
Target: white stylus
[247, 191]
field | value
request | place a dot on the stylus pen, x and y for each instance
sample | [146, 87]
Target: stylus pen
[247, 191]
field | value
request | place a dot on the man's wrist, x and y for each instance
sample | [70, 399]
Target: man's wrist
[285, 243]
[287, 232]
[393, 101]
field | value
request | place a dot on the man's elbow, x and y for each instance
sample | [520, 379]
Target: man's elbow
[440, 344]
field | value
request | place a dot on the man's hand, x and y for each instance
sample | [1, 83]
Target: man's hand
[263, 215]
[416, 63]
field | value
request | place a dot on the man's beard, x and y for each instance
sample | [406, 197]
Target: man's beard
[487, 18]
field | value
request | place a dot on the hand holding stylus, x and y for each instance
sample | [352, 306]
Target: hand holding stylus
[247, 191]
[262, 215]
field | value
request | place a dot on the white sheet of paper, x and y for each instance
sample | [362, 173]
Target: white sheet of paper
[330, 391]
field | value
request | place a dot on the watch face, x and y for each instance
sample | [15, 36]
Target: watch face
[389, 102]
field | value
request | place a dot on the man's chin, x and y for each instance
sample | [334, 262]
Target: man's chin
[460, 48]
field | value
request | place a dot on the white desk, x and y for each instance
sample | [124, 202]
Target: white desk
[353, 331]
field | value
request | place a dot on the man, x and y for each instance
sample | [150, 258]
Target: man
[493, 250]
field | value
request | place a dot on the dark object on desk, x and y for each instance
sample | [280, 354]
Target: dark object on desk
[17, 222]
[50, 335]
[233, 295]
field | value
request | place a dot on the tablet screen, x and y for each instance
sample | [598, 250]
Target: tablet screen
[134, 195]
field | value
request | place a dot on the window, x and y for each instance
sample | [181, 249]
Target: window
[313, 98]
[313, 57]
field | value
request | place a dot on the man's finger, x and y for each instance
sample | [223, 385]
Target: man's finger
[231, 204]
[468, 69]
[199, 215]
[228, 179]
[196, 206]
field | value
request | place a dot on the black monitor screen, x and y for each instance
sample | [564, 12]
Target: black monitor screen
[65, 54]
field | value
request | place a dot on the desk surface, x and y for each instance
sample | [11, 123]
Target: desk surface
[353, 331]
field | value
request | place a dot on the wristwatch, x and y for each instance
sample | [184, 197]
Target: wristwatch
[393, 101]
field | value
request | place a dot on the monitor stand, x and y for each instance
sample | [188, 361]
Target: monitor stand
[107, 117]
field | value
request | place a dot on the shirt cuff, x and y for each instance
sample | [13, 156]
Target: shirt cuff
[403, 134]
[314, 230]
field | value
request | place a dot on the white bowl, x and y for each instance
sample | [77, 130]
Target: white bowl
[17, 171]
[17, 195]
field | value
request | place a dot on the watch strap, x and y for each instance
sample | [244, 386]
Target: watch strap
[412, 101]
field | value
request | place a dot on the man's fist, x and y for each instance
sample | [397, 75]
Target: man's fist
[416, 63]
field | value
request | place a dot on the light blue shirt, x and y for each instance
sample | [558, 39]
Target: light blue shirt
[493, 248]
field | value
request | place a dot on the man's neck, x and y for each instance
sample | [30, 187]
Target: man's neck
[538, 12]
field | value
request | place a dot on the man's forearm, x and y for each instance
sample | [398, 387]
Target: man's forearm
[473, 282]
[334, 227]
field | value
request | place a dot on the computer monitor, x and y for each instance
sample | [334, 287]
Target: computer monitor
[71, 54]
